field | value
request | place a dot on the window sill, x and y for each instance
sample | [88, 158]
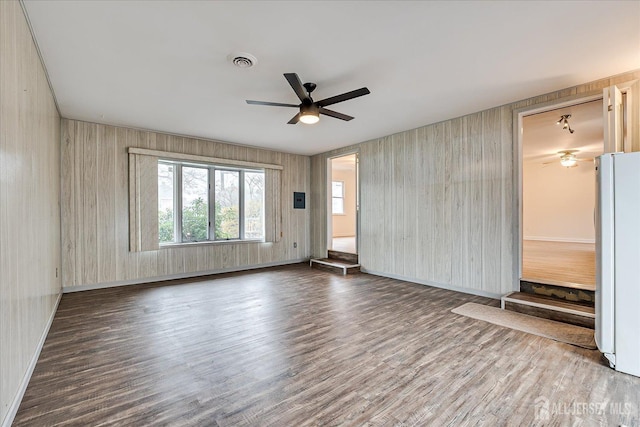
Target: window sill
[206, 243]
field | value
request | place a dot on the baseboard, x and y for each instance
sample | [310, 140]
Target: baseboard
[477, 292]
[559, 239]
[13, 409]
[104, 285]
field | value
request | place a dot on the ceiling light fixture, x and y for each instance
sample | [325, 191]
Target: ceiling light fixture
[568, 160]
[564, 121]
[309, 119]
[309, 114]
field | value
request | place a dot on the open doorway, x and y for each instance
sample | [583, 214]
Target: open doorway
[558, 194]
[343, 194]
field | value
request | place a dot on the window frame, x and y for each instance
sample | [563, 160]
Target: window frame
[341, 197]
[211, 234]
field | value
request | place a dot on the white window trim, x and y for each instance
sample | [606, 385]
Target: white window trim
[343, 213]
[169, 156]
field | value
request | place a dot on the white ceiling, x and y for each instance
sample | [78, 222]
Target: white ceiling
[162, 65]
[542, 138]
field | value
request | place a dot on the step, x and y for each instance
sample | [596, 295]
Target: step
[558, 291]
[575, 313]
[343, 256]
[335, 266]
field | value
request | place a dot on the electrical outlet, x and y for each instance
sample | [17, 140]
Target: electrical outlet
[295, 244]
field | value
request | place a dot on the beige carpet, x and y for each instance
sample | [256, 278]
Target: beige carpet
[570, 334]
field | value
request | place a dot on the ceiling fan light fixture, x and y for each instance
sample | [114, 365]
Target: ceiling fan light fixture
[568, 160]
[309, 113]
[309, 118]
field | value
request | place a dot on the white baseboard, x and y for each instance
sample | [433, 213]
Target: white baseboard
[13, 409]
[104, 285]
[477, 292]
[559, 239]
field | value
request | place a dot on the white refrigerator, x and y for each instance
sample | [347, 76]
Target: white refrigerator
[618, 260]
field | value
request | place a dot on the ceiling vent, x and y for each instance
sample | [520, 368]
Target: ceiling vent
[243, 59]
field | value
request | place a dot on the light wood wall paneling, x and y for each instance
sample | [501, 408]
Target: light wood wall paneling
[439, 204]
[30, 176]
[68, 197]
[88, 199]
[398, 202]
[492, 197]
[509, 236]
[96, 187]
[460, 209]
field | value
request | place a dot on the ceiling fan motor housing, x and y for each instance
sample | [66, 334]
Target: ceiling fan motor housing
[309, 107]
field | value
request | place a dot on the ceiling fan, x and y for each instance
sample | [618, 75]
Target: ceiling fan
[568, 158]
[310, 110]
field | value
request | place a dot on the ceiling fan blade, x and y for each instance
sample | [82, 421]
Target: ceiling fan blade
[343, 97]
[273, 104]
[335, 114]
[294, 120]
[296, 84]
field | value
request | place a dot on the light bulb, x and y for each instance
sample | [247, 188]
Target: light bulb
[309, 118]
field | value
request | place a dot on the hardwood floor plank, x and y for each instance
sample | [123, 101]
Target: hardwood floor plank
[566, 263]
[298, 346]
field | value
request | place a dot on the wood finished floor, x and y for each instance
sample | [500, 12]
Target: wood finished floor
[570, 264]
[294, 346]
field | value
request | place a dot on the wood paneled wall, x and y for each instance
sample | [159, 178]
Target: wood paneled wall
[29, 205]
[95, 229]
[439, 204]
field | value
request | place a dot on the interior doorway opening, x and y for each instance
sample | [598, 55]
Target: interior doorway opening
[343, 204]
[558, 194]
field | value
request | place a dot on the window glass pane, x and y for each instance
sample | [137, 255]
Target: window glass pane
[165, 202]
[254, 205]
[227, 207]
[337, 189]
[338, 205]
[195, 206]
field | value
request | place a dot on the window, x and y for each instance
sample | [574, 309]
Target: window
[214, 203]
[195, 202]
[337, 197]
[166, 230]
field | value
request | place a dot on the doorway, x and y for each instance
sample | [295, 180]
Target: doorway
[342, 221]
[559, 145]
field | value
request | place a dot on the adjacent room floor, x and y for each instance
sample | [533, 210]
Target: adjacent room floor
[560, 263]
[344, 244]
[292, 346]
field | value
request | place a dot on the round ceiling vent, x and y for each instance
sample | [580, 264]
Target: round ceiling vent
[243, 59]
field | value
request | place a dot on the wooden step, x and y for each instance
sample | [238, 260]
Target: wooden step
[343, 256]
[575, 313]
[335, 266]
[558, 291]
